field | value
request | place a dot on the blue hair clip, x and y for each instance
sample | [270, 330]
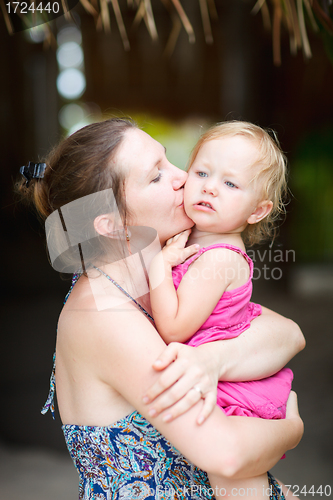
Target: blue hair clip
[33, 171]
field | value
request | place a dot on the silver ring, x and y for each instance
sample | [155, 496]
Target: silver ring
[197, 388]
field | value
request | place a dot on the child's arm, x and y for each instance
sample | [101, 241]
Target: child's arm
[178, 314]
[163, 295]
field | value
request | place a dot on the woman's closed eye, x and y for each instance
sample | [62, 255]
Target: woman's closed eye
[157, 178]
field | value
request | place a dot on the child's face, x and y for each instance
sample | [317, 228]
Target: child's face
[219, 195]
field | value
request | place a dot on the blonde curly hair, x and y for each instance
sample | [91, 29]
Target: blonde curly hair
[272, 172]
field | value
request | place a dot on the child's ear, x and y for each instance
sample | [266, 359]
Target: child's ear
[262, 210]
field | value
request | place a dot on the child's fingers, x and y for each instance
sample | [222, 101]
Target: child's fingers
[188, 251]
[181, 238]
[183, 235]
[177, 254]
[169, 241]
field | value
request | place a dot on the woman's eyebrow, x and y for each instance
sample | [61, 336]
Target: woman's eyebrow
[161, 158]
[149, 171]
[159, 161]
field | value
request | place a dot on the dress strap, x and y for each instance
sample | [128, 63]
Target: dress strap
[49, 405]
[74, 280]
[124, 291]
[233, 248]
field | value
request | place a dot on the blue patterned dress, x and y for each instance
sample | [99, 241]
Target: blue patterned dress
[131, 460]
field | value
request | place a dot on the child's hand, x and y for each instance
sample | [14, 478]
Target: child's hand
[175, 252]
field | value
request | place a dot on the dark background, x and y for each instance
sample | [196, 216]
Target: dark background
[232, 78]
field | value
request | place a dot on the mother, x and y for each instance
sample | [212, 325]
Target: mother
[118, 411]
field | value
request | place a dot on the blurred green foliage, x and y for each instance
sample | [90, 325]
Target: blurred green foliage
[311, 182]
[179, 138]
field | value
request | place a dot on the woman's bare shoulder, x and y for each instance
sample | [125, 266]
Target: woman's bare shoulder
[88, 297]
[107, 315]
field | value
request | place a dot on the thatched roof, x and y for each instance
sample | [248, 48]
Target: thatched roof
[290, 16]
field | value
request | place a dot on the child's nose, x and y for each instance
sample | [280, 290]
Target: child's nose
[210, 188]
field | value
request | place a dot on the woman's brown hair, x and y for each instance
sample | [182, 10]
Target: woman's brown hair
[79, 166]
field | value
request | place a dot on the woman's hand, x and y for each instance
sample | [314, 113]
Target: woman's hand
[188, 374]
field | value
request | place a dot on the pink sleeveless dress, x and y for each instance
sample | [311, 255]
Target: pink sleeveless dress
[265, 398]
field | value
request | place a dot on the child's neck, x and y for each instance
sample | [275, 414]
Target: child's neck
[205, 238]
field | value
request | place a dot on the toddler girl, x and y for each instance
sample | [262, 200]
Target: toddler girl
[236, 182]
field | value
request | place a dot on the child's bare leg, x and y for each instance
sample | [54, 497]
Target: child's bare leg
[253, 488]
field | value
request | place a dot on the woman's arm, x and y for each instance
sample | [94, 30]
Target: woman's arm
[263, 349]
[226, 446]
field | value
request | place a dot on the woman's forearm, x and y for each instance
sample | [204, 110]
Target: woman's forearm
[258, 445]
[262, 350]
[233, 447]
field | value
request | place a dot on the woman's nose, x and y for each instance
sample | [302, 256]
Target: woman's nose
[178, 177]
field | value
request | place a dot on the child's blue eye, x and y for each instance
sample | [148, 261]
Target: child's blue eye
[202, 174]
[157, 178]
[230, 184]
